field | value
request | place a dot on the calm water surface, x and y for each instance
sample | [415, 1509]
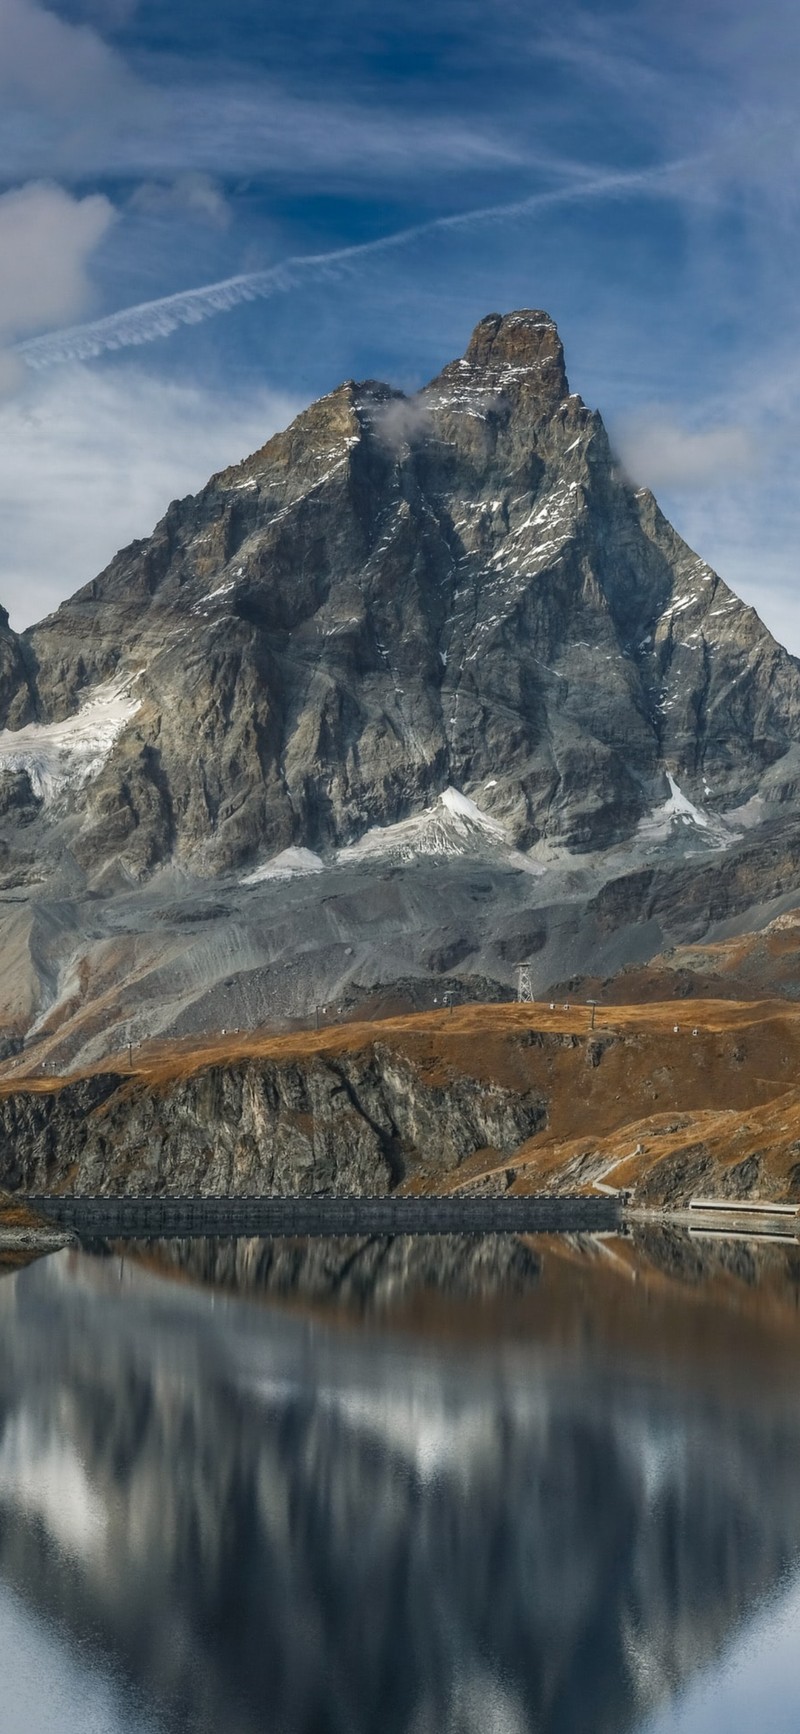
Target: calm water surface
[555, 1491]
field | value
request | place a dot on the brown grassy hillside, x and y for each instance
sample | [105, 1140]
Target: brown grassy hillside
[635, 1102]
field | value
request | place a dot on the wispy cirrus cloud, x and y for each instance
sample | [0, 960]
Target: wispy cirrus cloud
[194, 195]
[717, 81]
[150, 320]
[75, 108]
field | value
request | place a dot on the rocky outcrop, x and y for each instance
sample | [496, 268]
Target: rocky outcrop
[16, 685]
[360, 1123]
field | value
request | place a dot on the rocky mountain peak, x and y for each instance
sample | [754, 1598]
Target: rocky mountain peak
[513, 369]
[523, 340]
[392, 598]
[408, 631]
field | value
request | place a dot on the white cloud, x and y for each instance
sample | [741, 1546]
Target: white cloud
[726, 477]
[749, 531]
[659, 453]
[53, 75]
[12, 372]
[194, 195]
[46, 61]
[90, 460]
[46, 237]
[402, 419]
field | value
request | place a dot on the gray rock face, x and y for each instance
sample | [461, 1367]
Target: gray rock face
[397, 603]
[358, 1124]
[397, 595]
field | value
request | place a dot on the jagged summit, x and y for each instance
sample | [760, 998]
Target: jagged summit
[518, 343]
[394, 597]
[395, 602]
[513, 361]
[515, 337]
[513, 364]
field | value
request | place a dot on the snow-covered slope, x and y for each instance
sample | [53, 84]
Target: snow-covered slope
[453, 826]
[679, 821]
[59, 757]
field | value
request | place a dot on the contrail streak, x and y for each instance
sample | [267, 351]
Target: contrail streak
[153, 319]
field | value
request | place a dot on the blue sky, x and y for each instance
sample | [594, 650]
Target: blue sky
[633, 168]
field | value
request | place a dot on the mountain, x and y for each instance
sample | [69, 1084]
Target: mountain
[439, 637]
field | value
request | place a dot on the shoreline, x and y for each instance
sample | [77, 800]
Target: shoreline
[288, 1222]
[32, 1239]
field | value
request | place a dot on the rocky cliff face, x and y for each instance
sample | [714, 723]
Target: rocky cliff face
[360, 1123]
[430, 627]
[662, 1103]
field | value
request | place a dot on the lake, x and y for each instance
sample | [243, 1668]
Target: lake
[432, 1487]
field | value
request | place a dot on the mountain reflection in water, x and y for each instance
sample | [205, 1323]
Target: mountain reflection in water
[223, 1517]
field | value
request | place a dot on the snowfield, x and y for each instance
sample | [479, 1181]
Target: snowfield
[287, 865]
[454, 826]
[62, 755]
[678, 812]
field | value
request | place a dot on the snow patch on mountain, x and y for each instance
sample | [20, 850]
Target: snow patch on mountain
[288, 865]
[454, 826]
[465, 810]
[61, 755]
[678, 816]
